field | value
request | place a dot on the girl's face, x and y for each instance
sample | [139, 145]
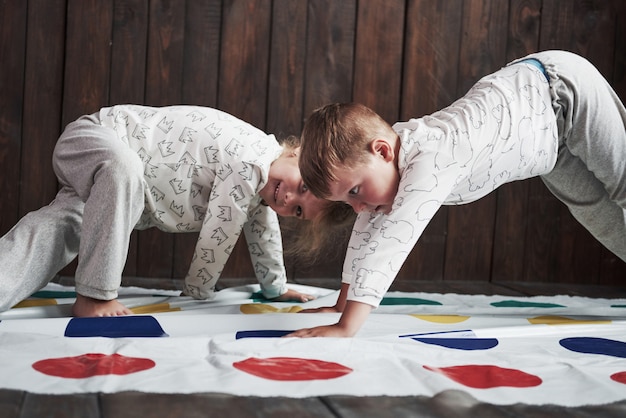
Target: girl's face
[286, 193]
[370, 186]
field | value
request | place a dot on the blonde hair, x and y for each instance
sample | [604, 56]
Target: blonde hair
[311, 238]
[290, 143]
[335, 135]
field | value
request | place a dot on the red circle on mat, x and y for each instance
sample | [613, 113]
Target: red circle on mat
[291, 368]
[486, 376]
[92, 364]
[619, 377]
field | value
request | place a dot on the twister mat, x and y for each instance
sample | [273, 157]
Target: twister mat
[561, 350]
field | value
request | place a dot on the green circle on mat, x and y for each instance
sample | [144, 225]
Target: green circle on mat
[523, 304]
[408, 301]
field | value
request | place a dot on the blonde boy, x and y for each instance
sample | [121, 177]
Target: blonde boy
[551, 114]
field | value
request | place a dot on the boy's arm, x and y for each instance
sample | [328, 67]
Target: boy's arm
[352, 318]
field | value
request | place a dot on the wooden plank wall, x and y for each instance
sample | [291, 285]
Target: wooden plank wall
[271, 63]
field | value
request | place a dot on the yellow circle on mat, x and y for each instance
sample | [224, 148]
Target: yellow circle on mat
[442, 319]
[258, 308]
[562, 320]
[29, 303]
[154, 308]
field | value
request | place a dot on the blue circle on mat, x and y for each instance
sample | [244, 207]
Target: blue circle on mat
[594, 345]
[461, 343]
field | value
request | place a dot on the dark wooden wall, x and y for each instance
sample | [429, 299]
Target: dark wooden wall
[271, 63]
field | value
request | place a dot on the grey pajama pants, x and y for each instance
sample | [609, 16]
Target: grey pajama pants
[99, 203]
[590, 172]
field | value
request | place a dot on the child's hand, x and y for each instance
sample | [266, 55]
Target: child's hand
[335, 330]
[351, 320]
[292, 295]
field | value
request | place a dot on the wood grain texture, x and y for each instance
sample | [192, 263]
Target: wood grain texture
[43, 86]
[331, 27]
[13, 21]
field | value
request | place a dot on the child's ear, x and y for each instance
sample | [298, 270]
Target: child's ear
[383, 148]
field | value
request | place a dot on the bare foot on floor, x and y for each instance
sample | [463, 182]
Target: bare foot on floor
[88, 307]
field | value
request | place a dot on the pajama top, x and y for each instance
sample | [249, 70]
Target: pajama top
[503, 129]
[203, 169]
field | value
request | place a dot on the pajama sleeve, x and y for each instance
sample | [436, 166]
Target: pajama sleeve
[264, 240]
[232, 192]
[380, 243]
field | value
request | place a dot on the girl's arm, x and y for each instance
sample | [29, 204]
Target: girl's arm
[263, 236]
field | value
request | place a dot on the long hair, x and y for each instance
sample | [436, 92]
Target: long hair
[310, 239]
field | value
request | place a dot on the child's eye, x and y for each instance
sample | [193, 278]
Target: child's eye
[354, 190]
[304, 188]
[299, 211]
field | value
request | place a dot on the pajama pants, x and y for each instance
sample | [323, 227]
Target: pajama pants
[100, 201]
[590, 172]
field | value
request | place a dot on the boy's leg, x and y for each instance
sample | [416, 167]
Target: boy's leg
[587, 200]
[108, 177]
[590, 174]
[38, 246]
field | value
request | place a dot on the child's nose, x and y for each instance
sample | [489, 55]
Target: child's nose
[358, 207]
[288, 198]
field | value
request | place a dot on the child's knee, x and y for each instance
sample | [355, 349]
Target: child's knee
[125, 168]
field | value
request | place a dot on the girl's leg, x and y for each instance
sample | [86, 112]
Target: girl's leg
[108, 176]
[38, 246]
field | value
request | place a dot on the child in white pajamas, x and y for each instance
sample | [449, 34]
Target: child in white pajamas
[551, 114]
[179, 169]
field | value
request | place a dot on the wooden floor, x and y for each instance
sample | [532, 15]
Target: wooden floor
[449, 404]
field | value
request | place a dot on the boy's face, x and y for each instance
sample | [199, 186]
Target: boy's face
[370, 186]
[286, 193]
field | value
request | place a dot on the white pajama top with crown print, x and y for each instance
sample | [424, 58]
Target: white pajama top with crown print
[203, 169]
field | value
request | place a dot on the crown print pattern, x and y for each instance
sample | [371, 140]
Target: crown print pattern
[503, 129]
[203, 169]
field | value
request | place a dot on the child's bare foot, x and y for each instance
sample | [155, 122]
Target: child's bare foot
[88, 307]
